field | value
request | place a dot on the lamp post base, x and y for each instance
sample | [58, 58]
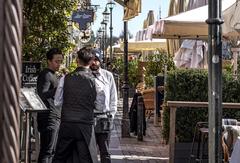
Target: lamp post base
[125, 119]
[125, 128]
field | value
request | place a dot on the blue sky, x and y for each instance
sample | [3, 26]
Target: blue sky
[134, 24]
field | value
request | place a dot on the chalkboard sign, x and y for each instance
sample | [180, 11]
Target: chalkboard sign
[30, 101]
[30, 71]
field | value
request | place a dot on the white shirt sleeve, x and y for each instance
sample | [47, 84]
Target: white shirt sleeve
[113, 96]
[58, 98]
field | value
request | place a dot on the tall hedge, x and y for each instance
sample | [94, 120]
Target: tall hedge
[192, 85]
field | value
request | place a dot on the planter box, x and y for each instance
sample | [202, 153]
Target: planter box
[183, 151]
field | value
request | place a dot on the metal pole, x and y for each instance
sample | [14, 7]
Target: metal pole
[100, 44]
[140, 118]
[215, 81]
[26, 137]
[125, 88]
[29, 139]
[211, 116]
[10, 52]
[105, 44]
[111, 29]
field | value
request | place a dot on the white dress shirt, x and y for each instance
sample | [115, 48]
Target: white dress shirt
[106, 100]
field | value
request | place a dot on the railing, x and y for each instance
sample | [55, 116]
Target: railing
[174, 105]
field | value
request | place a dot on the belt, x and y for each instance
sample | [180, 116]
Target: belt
[103, 113]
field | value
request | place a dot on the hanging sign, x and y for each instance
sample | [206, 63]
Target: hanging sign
[83, 18]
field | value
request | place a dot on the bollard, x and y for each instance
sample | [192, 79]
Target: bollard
[140, 116]
[158, 98]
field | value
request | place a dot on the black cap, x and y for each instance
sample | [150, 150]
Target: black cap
[98, 55]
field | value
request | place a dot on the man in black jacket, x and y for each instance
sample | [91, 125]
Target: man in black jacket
[77, 94]
[48, 122]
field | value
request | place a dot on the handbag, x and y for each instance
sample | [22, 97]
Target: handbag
[103, 124]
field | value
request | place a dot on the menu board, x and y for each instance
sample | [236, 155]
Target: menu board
[30, 101]
[30, 71]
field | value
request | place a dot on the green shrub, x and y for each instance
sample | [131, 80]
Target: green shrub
[192, 85]
[156, 65]
[133, 78]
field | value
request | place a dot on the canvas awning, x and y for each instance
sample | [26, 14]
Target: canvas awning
[147, 45]
[190, 24]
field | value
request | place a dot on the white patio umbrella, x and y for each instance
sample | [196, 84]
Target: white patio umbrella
[190, 24]
[147, 45]
[175, 7]
[231, 16]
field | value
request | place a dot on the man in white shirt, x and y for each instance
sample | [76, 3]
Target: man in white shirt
[106, 107]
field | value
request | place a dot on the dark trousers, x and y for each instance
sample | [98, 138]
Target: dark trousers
[71, 145]
[102, 140]
[48, 139]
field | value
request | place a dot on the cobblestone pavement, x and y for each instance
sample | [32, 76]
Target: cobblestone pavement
[130, 150]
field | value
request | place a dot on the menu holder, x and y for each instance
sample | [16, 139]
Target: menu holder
[30, 101]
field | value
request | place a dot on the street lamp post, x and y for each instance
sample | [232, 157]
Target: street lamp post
[125, 88]
[103, 24]
[215, 80]
[70, 30]
[111, 4]
[100, 37]
[105, 20]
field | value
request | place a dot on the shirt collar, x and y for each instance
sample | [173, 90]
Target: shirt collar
[97, 72]
[50, 70]
[82, 69]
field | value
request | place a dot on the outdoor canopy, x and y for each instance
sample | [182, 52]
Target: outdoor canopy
[147, 45]
[117, 51]
[190, 24]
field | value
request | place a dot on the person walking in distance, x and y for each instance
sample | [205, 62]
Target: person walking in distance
[76, 93]
[106, 107]
[48, 122]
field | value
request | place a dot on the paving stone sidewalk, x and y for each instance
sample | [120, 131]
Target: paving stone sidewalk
[130, 150]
